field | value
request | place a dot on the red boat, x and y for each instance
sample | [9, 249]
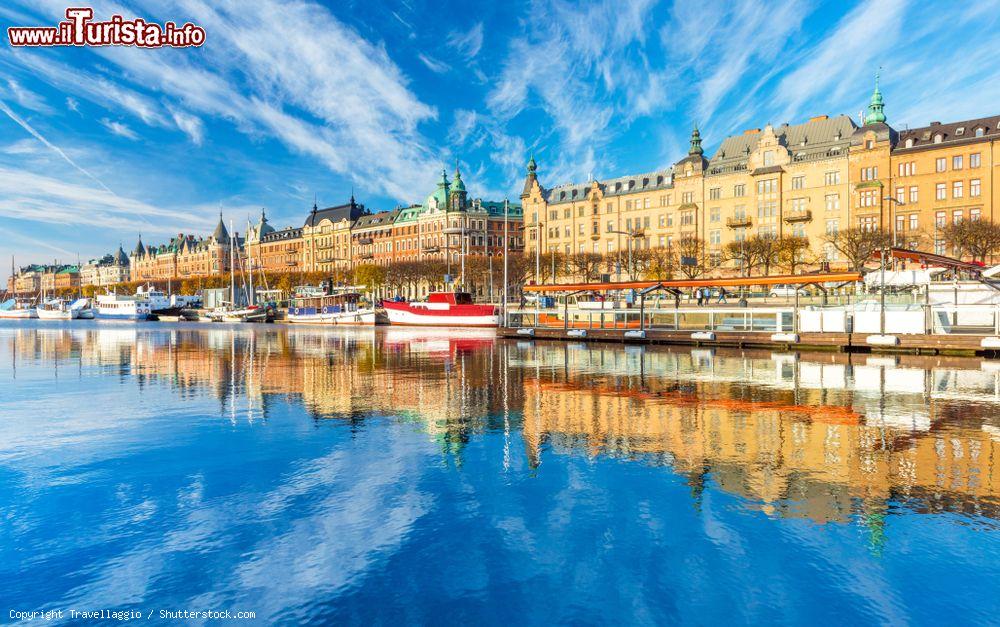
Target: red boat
[443, 309]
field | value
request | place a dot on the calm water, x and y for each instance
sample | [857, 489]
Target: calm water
[403, 476]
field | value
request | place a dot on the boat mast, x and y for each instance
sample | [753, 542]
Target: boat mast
[232, 275]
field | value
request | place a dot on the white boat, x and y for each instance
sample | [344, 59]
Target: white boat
[121, 307]
[167, 306]
[14, 309]
[83, 309]
[443, 309]
[314, 306]
[56, 310]
[253, 313]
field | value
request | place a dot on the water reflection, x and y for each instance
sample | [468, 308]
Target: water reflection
[824, 436]
[358, 475]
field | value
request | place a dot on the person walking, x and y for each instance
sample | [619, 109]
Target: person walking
[722, 296]
[697, 295]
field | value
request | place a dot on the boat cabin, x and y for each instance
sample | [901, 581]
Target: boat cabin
[306, 303]
[451, 298]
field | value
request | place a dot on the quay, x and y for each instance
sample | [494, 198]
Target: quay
[651, 312]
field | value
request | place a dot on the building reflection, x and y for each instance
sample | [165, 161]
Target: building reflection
[827, 437]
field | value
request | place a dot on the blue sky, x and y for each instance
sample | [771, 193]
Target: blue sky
[288, 100]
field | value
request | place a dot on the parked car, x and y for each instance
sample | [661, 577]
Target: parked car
[786, 291]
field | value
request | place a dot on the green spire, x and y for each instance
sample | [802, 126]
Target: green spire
[696, 149]
[875, 113]
[459, 184]
[532, 166]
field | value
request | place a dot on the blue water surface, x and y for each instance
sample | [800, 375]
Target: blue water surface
[406, 476]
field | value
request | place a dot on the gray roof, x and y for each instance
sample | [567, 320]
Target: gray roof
[220, 233]
[815, 139]
[373, 220]
[286, 233]
[950, 133]
[631, 184]
[350, 212]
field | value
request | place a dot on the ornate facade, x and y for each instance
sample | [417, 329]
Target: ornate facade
[274, 250]
[184, 256]
[108, 270]
[808, 180]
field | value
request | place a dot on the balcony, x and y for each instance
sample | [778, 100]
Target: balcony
[365, 241]
[739, 222]
[804, 215]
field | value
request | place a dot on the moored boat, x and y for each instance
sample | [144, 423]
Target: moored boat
[122, 307]
[17, 310]
[56, 309]
[313, 305]
[443, 309]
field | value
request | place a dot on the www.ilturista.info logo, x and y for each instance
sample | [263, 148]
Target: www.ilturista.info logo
[80, 30]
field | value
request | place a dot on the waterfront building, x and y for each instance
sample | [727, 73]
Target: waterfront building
[58, 278]
[28, 279]
[184, 256]
[108, 270]
[326, 237]
[372, 240]
[274, 250]
[809, 180]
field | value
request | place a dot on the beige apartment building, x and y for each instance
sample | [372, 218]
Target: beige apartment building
[809, 180]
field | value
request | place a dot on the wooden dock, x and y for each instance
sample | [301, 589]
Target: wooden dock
[952, 344]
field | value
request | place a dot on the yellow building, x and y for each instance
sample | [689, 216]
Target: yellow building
[326, 237]
[809, 180]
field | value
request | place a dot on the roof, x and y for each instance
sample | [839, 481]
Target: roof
[952, 133]
[350, 212]
[631, 184]
[220, 233]
[286, 233]
[496, 208]
[375, 220]
[818, 138]
[791, 279]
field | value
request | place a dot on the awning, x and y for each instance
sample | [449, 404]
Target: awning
[785, 279]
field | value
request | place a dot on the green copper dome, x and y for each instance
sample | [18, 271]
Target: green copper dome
[458, 185]
[439, 198]
[532, 166]
[876, 107]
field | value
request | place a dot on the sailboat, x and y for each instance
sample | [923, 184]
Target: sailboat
[230, 312]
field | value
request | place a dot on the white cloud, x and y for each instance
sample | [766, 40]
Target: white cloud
[120, 129]
[467, 43]
[72, 104]
[433, 64]
[25, 97]
[23, 124]
[191, 125]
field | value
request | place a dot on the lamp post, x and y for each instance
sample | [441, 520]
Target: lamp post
[630, 235]
[892, 218]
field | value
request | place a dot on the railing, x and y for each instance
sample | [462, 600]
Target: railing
[867, 318]
[736, 223]
[804, 215]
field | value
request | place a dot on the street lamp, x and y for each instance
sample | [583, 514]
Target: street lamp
[628, 242]
[892, 221]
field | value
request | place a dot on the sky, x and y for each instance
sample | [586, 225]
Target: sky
[288, 101]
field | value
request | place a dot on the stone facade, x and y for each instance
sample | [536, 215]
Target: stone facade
[108, 270]
[184, 256]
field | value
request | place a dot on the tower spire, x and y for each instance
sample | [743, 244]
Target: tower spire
[876, 107]
[696, 149]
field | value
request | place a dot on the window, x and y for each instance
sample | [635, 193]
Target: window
[975, 214]
[739, 190]
[663, 241]
[628, 225]
[940, 191]
[799, 204]
[941, 164]
[609, 207]
[740, 212]
[974, 160]
[583, 229]
[833, 202]
[687, 218]
[645, 222]
[868, 223]
[645, 203]
[687, 197]
[980, 132]
[767, 186]
[663, 201]
[901, 194]
[798, 182]
[715, 237]
[768, 157]
[611, 226]
[869, 173]
[908, 169]
[956, 189]
[628, 205]
[938, 138]
[909, 142]
[663, 221]
[939, 247]
[956, 216]
[913, 193]
[714, 214]
[914, 221]
[670, 219]
[939, 219]
[766, 211]
[956, 162]
[900, 223]
[832, 226]
[869, 198]
[832, 178]
[715, 193]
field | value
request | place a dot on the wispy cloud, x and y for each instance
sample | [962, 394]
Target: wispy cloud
[25, 97]
[433, 64]
[72, 104]
[120, 129]
[467, 43]
[59, 151]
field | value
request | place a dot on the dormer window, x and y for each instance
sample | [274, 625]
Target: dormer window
[909, 142]
[960, 130]
[938, 138]
[645, 182]
[980, 131]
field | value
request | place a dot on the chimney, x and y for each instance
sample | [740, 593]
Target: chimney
[751, 131]
[819, 118]
[935, 124]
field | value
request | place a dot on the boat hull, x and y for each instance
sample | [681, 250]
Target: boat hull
[56, 314]
[18, 314]
[456, 316]
[106, 315]
[362, 317]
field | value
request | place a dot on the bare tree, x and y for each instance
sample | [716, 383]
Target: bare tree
[858, 245]
[662, 263]
[586, 265]
[741, 253]
[691, 251]
[793, 251]
[978, 239]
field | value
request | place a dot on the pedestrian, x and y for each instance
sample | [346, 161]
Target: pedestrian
[698, 296]
[722, 296]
